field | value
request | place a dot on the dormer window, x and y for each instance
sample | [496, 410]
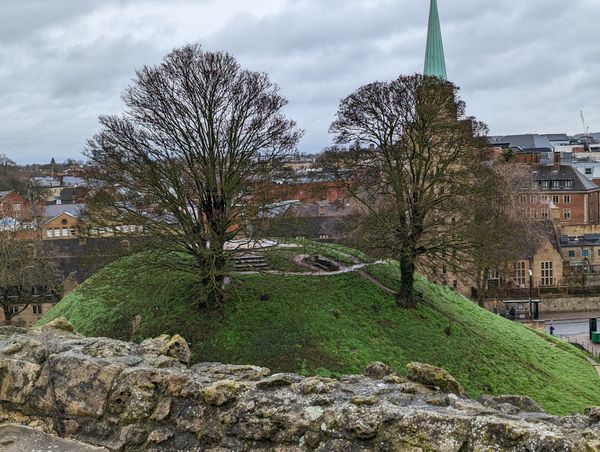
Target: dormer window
[555, 184]
[545, 183]
[568, 183]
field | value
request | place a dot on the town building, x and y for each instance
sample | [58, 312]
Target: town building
[61, 221]
[564, 188]
[13, 205]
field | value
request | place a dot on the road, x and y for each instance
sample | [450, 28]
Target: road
[568, 327]
[570, 323]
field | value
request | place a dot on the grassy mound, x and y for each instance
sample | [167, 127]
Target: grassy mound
[331, 325]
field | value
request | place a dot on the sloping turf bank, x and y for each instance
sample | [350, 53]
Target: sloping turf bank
[334, 325]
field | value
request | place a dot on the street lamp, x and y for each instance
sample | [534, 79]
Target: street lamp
[530, 302]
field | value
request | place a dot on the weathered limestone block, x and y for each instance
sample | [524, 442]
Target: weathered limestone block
[222, 392]
[130, 397]
[378, 371]
[17, 379]
[520, 403]
[174, 347]
[59, 325]
[434, 377]
[80, 384]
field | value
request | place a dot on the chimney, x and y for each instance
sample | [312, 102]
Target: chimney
[557, 160]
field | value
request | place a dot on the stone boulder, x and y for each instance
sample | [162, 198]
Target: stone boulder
[434, 377]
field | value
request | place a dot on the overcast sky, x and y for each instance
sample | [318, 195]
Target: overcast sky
[523, 66]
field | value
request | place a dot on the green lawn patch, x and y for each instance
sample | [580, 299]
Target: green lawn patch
[333, 325]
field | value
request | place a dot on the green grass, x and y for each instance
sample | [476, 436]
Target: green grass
[283, 260]
[335, 325]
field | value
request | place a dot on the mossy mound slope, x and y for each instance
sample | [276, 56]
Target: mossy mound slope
[332, 325]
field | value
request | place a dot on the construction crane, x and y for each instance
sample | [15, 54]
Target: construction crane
[586, 128]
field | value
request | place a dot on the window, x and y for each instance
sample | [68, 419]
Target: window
[48, 232]
[555, 184]
[37, 309]
[566, 214]
[532, 199]
[545, 213]
[454, 284]
[323, 236]
[14, 310]
[588, 171]
[555, 199]
[56, 232]
[493, 279]
[72, 231]
[571, 253]
[523, 199]
[544, 198]
[567, 199]
[519, 278]
[546, 184]
[65, 232]
[585, 253]
[533, 213]
[547, 278]
[568, 183]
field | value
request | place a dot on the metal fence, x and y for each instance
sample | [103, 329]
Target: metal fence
[584, 344]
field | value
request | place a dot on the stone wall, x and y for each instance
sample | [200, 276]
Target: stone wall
[570, 304]
[554, 305]
[132, 397]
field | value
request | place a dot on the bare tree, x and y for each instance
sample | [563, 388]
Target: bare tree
[500, 233]
[28, 272]
[198, 137]
[413, 162]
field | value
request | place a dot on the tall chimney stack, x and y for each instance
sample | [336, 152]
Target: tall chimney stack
[557, 160]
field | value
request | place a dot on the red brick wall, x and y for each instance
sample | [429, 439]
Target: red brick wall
[8, 204]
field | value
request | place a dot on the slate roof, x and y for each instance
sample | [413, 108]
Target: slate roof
[525, 141]
[557, 136]
[51, 211]
[565, 172]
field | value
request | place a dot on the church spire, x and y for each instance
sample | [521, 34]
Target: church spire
[435, 63]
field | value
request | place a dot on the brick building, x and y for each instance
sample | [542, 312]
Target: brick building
[13, 205]
[562, 187]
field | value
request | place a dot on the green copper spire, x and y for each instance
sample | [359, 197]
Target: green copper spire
[435, 64]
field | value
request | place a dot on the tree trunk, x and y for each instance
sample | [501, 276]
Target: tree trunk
[214, 269]
[7, 316]
[405, 296]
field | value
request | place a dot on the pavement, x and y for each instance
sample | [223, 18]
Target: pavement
[569, 323]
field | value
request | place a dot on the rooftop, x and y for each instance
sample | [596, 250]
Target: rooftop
[563, 178]
[524, 141]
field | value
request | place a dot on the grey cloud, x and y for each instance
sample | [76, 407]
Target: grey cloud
[523, 66]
